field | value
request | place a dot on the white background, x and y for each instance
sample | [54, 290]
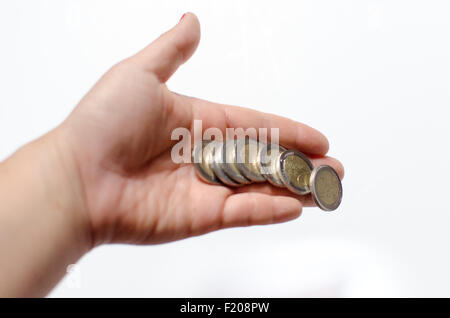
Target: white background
[372, 75]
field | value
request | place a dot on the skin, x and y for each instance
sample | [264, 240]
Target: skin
[105, 174]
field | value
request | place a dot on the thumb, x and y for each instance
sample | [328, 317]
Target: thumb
[171, 49]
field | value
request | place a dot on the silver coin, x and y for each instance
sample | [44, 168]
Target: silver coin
[326, 188]
[247, 159]
[294, 169]
[229, 162]
[201, 158]
[216, 165]
[268, 156]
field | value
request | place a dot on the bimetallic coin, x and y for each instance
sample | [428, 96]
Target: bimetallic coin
[326, 188]
[294, 169]
[217, 165]
[247, 159]
[268, 156]
[203, 167]
[229, 162]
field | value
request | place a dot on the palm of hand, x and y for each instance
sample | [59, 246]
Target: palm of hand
[120, 136]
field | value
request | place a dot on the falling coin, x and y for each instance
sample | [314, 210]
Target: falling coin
[247, 159]
[268, 156]
[201, 157]
[326, 188]
[294, 169]
[229, 162]
[217, 165]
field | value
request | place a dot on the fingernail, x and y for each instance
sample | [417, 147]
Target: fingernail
[182, 16]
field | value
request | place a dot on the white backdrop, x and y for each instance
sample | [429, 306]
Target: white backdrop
[373, 75]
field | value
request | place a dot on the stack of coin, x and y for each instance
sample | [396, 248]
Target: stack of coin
[240, 162]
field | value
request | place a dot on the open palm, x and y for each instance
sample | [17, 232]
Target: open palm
[120, 137]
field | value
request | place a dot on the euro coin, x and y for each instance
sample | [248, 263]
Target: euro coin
[294, 169]
[326, 188]
[201, 157]
[217, 165]
[267, 158]
[229, 162]
[247, 159]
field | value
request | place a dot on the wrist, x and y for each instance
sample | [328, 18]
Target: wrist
[65, 190]
[52, 172]
[43, 222]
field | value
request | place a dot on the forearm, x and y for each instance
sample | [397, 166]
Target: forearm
[43, 227]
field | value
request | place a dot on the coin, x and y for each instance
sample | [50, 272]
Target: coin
[203, 167]
[216, 165]
[326, 188]
[268, 156]
[229, 162]
[294, 169]
[247, 158]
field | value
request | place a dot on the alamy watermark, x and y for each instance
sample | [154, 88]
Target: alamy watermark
[181, 151]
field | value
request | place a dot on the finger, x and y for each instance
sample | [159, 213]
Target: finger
[266, 188]
[245, 209]
[334, 163]
[173, 48]
[292, 134]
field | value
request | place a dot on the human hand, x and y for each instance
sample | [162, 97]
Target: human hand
[118, 143]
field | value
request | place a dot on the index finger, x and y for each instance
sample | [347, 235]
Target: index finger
[292, 134]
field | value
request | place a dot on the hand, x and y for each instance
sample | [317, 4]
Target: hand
[106, 175]
[118, 141]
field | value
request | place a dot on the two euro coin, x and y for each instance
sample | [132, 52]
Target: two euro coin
[220, 159]
[241, 162]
